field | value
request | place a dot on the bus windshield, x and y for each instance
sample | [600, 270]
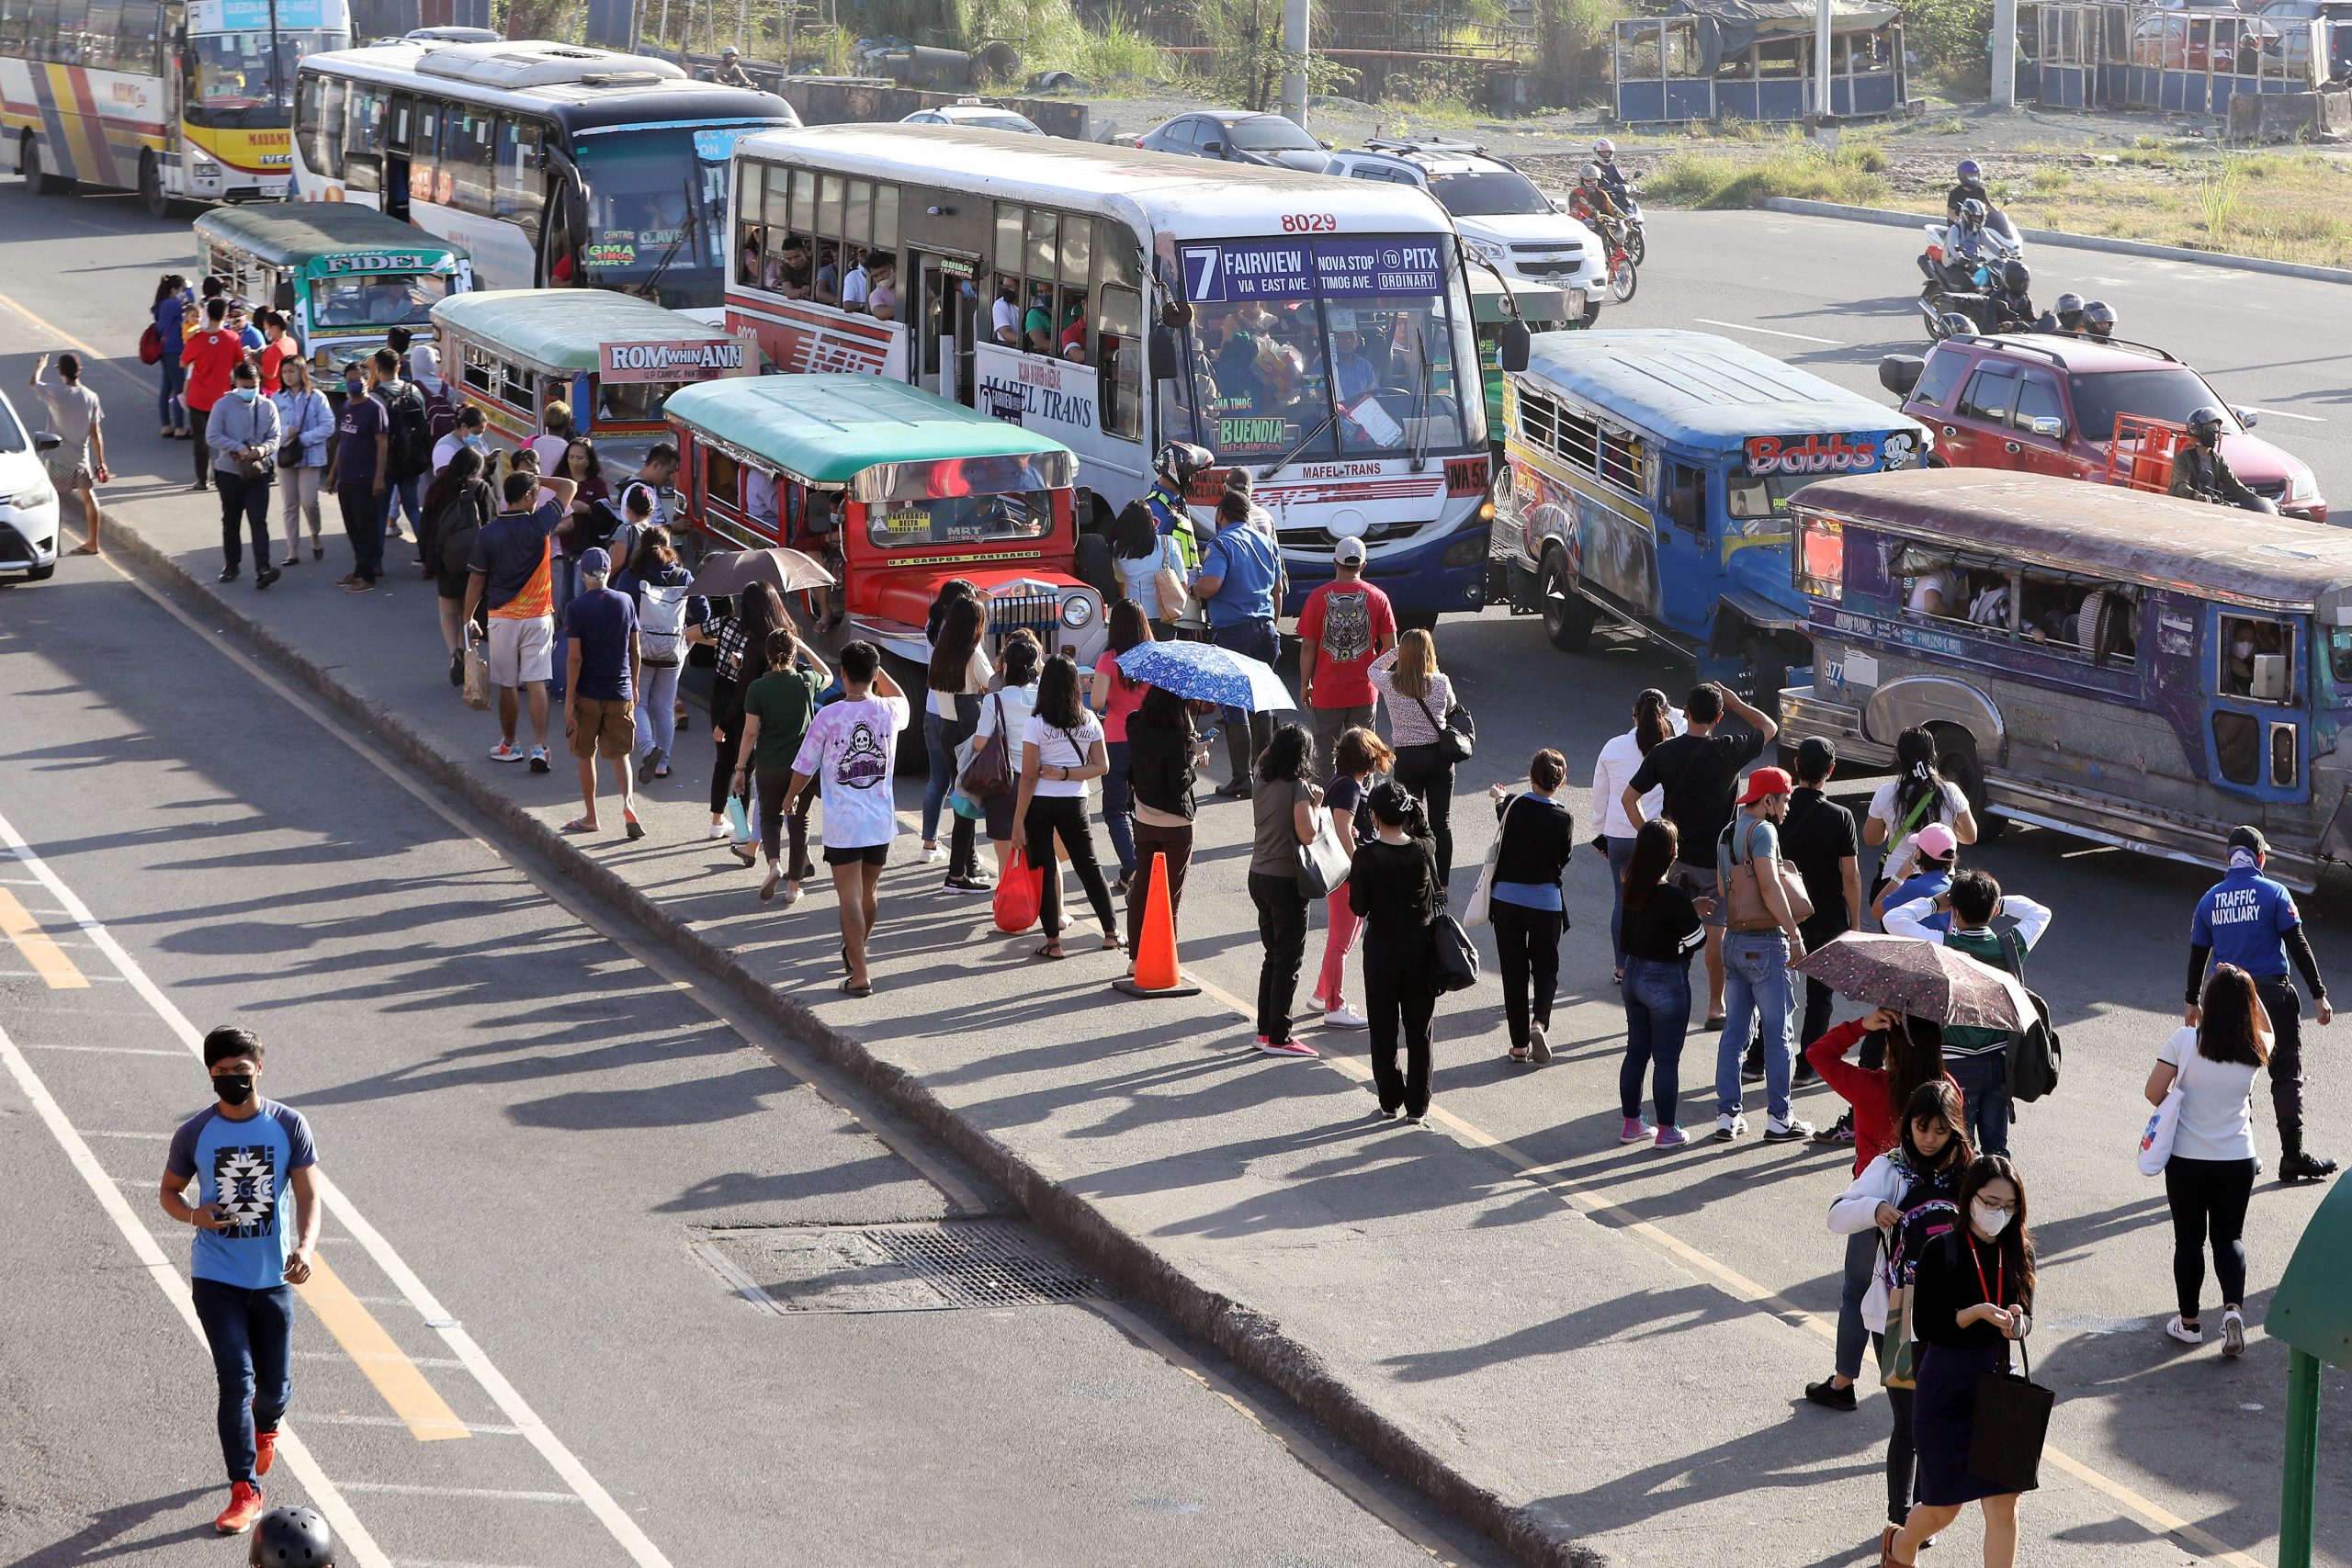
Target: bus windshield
[656, 211]
[230, 81]
[1328, 349]
[382, 300]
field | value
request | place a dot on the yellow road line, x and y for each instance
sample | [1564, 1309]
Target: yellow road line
[48, 959]
[429, 1418]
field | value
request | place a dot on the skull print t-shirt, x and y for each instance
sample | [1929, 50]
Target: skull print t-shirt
[1348, 622]
[851, 750]
[242, 1168]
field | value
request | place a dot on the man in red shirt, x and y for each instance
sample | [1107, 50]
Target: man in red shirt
[277, 343]
[209, 352]
[1345, 624]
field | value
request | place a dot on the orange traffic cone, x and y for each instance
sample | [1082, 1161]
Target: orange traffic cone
[1155, 971]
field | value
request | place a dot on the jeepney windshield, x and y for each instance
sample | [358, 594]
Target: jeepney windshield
[1748, 496]
[959, 519]
[632, 402]
[376, 300]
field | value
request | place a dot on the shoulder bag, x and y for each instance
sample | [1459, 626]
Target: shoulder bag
[2012, 1424]
[1168, 582]
[1323, 864]
[1458, 736]
[988, 775]
[1746, 910]
[1480, 908]
[2163, 1123]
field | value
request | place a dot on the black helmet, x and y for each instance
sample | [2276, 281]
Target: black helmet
[1180, 460]
[2015, 277]
[1972, 213]
[292, 1537]
[2205, 424]
[2069, 310]
[2098, 317]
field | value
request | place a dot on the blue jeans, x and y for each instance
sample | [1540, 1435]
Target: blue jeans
[1253, 731]
[250, 1332]
[1118, 808]
[657, 710]
[1755, 987]
[167, 400]
[401, 495]
[1853, 1337]
[563, 586]
[1621, 855]
[1984, 1087]
[1657, 1016]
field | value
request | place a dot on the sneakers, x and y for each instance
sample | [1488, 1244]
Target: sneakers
[1670, 1138]
[1829, 1395]
[715, 831]
[1284, 1047]
[2233, 1334]
[931, 854]
[538, 759]
[264, 1451]
[2300, 1167]
[1788, 1131]
[1344, 1017]
[1838, 1132]
[1539, 1049]
[244, 1507]
[1730, 1125]
[1635, 1131]
[2180, 1331]
[506, 751]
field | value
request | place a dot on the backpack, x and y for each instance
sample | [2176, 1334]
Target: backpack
[2034, 1052]
[410, 448]
[662, 625]
[593, 530]
[459, 526]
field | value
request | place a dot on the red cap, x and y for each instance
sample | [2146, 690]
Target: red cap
[1764, 782]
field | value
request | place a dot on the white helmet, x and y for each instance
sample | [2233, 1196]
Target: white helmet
[1604, 150]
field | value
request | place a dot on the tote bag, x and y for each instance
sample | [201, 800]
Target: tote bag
[987, 773]
[1898, 1352]
[1482, 897]
[1323, 864]
[1454, 958]
[2011, 1426]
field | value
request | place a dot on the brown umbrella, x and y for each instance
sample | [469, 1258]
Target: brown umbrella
[1924, 979]
[731, 571]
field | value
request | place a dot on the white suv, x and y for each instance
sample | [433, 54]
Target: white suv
[29, 512]
[1496, 211]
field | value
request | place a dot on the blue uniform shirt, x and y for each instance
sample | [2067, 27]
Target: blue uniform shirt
[242, 1168]
[2245, 919]
[1244, 561]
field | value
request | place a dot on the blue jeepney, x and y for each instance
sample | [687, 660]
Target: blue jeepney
[2142, 671]
[1648, 477]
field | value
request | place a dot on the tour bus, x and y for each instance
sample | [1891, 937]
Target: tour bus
[176, 99]
[899, 490]
[2097, 661]
[555, 166]
[613, 357]
[1173, 300]
[1650, 476]
[343, 274]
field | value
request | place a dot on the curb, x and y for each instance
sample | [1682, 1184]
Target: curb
[1802, 207]
[1248, 1338]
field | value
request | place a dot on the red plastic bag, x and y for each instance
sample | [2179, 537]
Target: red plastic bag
[151, 345]
[1019, 894]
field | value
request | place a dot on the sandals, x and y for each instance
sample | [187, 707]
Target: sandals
[852, 989]
[1051, 950]
[579, 825]
[635, 829]
[1518, 1053]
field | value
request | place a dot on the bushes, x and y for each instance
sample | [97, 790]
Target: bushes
[1947, 35]
[1854, 175]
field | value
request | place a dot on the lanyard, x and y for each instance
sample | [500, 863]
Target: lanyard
[2000, 1265]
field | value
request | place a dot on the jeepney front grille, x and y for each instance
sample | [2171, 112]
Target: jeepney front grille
[1039, 609]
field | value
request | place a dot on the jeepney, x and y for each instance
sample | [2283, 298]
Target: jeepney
[902, 490]
[615, 358]
[1648, 479]
[342, 273]
[1538, 307]
[2139, 671]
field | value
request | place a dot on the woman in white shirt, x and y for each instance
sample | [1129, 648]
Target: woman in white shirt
[2210, 1178]
[1062, 748]
[1419, 694]
[1654, 720]
[1004, 714]
[1919, 796]
[1143, 554]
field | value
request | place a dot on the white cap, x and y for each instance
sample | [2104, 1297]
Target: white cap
[1349, 552]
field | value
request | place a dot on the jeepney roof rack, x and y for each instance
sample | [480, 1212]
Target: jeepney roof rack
[2011, 339]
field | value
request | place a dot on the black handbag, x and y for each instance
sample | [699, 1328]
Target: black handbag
[2011, 1423]
[1458, 736]
[1453, 957]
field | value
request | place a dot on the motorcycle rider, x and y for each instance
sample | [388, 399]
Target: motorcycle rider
[2065, 317]
[1604, 153]
[2098, 320]
[1172, 474]
[1970, 188]
[2012, 307]
[730, 72]
[2199, 472]
[1590, 203]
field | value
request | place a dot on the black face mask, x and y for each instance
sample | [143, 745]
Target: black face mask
[235, 1088]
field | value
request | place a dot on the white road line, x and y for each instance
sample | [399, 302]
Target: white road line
[35, 975]
[2285, 414]
[402, 1489]
[585, 1488]
[1768, 332]
[490, 1430]
[353, 1535]
[345, 1358]
[144, 1137]
[109, 1050]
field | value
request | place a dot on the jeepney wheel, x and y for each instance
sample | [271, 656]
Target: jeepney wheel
[1956, 759]
[1568, 619]
[1767, 671]
[42, 181]
[151, 187]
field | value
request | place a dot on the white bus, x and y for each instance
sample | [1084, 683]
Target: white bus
[176, 100]
[1317, 331]
[553, 165]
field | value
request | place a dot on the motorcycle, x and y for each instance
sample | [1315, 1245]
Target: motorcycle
[1638, 244]
[1617, 253]
[1951, 313]
[1952, 266]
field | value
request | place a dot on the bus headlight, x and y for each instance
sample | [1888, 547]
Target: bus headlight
[200, 167]
[1077, 611]
[1467, 550]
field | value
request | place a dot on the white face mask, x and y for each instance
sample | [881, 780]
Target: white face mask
[2240, 651]
[1991, 1221]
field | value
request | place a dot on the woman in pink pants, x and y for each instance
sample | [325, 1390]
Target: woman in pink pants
[1361, 756]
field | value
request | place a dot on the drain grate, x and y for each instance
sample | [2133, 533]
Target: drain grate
[928, 1265]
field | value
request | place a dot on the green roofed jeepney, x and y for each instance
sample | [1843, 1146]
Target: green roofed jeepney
[342, 273]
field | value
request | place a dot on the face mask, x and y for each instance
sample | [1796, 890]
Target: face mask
[2240, 651]
[245, 394]
[476, 442]
[235, 1088]
[1991, 1221]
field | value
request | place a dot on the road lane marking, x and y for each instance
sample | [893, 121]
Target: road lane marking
[110, 1051]
[349, 1531]
[402, 1489]
[2285, 414]
[37, 973]
[450, 1363]
[585, 1488]
[144, 1137]
[1768, 332]
[413, 1401]
[472, 1428]
[39, 948]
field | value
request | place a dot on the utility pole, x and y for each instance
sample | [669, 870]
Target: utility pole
[1294, 46]
[2005, 54]
[1821, 104]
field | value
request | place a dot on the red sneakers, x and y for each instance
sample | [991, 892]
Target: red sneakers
[265, 1450]
[244, 1507]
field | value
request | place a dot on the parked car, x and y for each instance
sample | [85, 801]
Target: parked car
[974, 113]
[1496, 211]
[28, 522]
[2049, 404]
[1238, 136]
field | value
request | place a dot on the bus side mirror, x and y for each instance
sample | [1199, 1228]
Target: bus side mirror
[1165, 356]
[1511, 343]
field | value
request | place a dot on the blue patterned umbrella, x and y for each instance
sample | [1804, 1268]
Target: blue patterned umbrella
[1207, 673]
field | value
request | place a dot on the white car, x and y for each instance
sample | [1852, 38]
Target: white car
[1496, 211]
[29, 513]
[979, 116]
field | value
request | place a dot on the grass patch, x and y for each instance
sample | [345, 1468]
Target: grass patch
[1955, 127]
[1853, 175]
[1112, 52]
[2050, 182]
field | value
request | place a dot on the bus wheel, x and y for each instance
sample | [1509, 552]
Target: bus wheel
[151, 187]
[1956, 759]
[1567, 618]
[29, 159]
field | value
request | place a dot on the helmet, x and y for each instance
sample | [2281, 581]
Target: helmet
[1969, 171]
[2015, 277]
[1591, 175]
[292, 1537]
[2099, 318]
[2069, 310]
[1180, 460]
[1971, 214]
[729, 52]
[1604, 149]
[2205, 424]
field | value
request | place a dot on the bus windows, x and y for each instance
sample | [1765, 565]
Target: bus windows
[99, 33]
[1120, 352]
[2256, 659]
[469, 159]
[362, 155]
[518, 193]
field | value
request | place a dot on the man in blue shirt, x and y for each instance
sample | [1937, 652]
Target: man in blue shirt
[1240, 581]
[2250, 921]
[243, 1153]
[599, 708]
